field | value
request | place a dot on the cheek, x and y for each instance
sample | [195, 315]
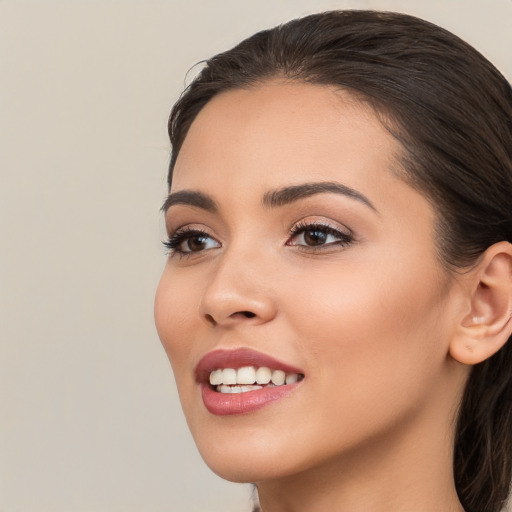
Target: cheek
[173, 306]
[383, 330]
[374, 356]
[360, 304]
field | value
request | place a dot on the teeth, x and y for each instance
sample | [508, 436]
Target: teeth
[237, 389]
[229, 376]
[249, 378]
[278, 377]
[216, 377]
[246, 375]
[263, 375]
[291, 378]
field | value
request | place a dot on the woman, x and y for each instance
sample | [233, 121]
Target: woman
[337, 300]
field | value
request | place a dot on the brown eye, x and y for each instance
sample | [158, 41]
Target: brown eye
[315, 237]
[195, 243]
[318, 235]
[190, 240]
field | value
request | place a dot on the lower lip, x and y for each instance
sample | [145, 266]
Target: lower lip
[224, 404]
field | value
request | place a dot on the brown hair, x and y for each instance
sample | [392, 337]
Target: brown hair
[451, 110]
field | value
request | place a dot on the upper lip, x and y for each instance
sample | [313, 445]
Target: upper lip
[236, 359]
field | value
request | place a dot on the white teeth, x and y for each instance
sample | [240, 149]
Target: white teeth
[237, 389]
[263, 375]
[291, 378]
[250, 388]
[278, 377]
[216, 377]
[229, 376]
[249, 378]
[246, 375]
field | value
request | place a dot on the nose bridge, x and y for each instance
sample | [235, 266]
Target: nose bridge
[239, 288]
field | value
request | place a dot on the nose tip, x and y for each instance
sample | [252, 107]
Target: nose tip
[234, 297]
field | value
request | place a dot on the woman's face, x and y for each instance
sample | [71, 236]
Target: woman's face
[295, 248]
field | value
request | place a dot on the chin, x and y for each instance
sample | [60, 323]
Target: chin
[247, 456]
[248, 469]
[258, 453]
[245, 475]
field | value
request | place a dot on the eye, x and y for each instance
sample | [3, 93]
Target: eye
[186, 240]
[317, 235]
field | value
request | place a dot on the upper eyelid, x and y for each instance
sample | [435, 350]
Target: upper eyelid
[185, 229]
[184, 215]
[302, 224]
[304, 221]
[301, 228]
[188, 226]
[333, 225]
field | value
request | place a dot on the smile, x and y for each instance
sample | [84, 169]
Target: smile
[250, 378]
[243, 380]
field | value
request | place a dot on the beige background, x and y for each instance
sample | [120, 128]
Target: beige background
[89, 419]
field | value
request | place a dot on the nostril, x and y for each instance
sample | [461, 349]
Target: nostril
[244, 314]
[210, 319]
[213, 321]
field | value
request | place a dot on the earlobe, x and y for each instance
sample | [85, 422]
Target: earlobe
[488, 325]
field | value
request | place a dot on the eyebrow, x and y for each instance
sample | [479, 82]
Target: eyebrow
[191, 198]
[272, 199]
[293, 193]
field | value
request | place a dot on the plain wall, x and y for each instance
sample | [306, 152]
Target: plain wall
[89, 417]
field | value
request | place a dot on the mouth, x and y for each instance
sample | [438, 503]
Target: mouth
[243, 380]
[250, 378]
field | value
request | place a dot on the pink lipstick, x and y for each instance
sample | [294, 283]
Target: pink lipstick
[243, 380]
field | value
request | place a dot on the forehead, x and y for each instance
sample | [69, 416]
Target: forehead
[280, 133]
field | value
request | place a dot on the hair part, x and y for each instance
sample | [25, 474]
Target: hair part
[451, 111]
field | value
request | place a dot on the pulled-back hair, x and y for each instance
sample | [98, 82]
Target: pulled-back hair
[451, 110]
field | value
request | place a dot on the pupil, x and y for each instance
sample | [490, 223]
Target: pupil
[315, 237]
[196, 243]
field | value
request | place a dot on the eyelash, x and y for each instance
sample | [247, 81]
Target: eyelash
[173, 243]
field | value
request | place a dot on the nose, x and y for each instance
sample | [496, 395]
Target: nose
[238, 294]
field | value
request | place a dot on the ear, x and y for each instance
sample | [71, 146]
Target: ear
[488, 325]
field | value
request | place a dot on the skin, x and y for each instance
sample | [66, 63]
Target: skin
[369, 322]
